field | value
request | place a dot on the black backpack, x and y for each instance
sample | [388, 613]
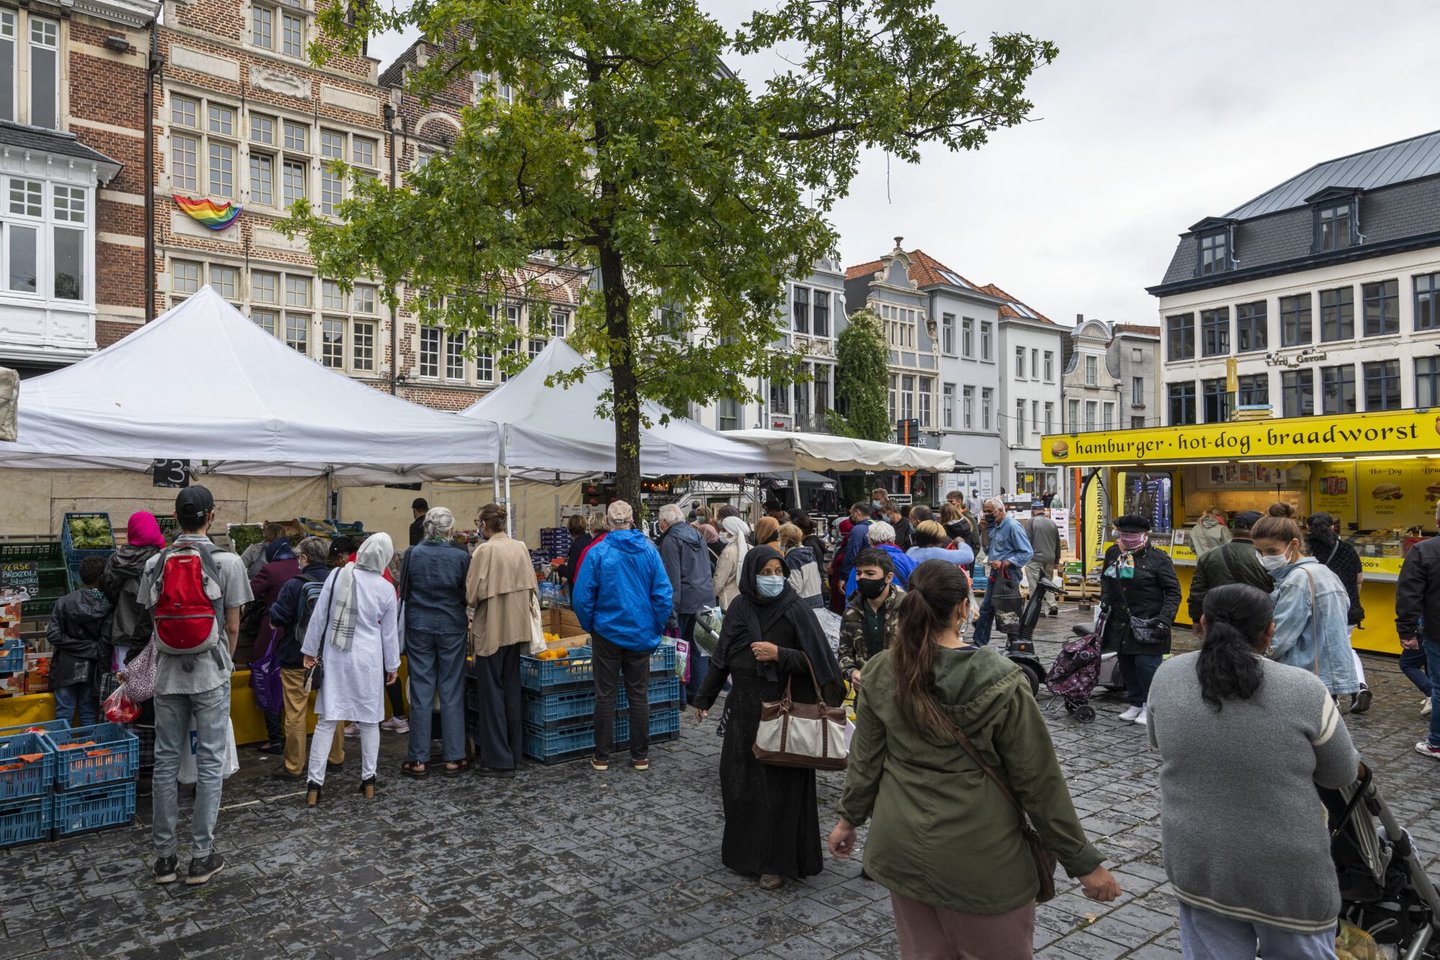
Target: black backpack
[310, 590]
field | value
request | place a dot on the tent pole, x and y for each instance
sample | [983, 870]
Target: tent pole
[509, 507]
[795, 488]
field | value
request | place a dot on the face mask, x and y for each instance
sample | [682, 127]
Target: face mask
[1132, 541]
[769, 587]
[876, 504]
[870, 589]
[1274, 562]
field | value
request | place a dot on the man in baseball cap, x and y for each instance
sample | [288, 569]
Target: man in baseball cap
[1233, 562]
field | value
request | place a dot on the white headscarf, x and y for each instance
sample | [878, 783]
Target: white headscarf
[739, 531]
[374, 556]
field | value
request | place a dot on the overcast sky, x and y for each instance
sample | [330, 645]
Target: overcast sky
[1154, 116]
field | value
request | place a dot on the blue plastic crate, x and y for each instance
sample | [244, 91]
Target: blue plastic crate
[74, 554]
[46, 725]
[76, 768]
[663, 659]
[538, 675]
[92, 809]
[12, 657]
[30, 778]
[542, 709]
[664, 720]
[25, 821]
[567, 743]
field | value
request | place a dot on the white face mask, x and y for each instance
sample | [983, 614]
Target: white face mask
[1274, 562]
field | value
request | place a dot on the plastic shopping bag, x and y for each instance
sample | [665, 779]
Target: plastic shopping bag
[187, 754]
[119, 708]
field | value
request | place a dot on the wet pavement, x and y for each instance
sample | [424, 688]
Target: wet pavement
[562, 861]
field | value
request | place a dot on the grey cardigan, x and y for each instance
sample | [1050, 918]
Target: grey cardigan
[1244, 832]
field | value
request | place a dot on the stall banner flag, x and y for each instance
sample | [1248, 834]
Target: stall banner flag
[1294, 438]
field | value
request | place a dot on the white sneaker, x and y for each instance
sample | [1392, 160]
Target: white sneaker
[351, 730]
[1423, 747]
[1144, 717]
[1425, 706]
[396, 725]
[1130, 714]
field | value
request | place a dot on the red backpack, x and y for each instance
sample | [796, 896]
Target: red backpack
[189, 602]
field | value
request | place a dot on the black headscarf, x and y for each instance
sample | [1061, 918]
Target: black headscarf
[750, 617]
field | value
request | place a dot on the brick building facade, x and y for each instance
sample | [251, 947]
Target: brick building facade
[72, 158]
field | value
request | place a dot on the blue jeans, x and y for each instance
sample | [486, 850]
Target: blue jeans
[1138, 669]
[1413, 665]
[1432, 669]
[985, 622]
[82, 696]
[1205, 935]
[436, 660]
[211, 711]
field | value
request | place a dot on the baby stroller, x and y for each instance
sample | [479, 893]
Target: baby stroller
[1384, 889]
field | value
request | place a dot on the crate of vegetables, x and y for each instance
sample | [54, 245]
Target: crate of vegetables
[86, 535]
[27, 766]
[86, 756]
[25, 821]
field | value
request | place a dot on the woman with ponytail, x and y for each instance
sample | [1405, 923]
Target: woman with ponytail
[909, 771]
[1243, 743]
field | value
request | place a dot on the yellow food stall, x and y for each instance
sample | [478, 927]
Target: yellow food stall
[1377, 473]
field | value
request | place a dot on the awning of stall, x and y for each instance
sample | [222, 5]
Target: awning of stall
[204, 384]
[554, 432]
[822, 451]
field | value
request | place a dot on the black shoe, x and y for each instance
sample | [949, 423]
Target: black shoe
[283, 774]
[1360, 702]
[334, 767]
[165, 869]
[497, 773]
[367, 788]
[202, 870]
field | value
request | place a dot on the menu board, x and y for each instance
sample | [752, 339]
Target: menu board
[1397, 493]
[1335, 490]
[21, 577]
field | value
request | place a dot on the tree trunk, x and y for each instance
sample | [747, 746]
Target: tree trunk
[622, 375]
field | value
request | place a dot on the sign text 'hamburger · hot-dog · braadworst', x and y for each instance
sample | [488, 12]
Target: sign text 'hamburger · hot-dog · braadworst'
[1295, 438]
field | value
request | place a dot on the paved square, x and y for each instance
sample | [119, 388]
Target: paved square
[563, 862]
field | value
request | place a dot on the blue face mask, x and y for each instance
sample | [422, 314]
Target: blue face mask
[769, 587]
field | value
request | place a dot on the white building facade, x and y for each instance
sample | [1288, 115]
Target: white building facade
[1325, 292]
[1030, 352]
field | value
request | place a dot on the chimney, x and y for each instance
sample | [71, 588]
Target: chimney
[1079, 319]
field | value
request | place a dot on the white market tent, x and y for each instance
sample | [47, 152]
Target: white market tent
[205, 384]
[554, 433]
[822, 451]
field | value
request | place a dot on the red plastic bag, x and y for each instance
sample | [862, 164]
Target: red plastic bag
[119, 708]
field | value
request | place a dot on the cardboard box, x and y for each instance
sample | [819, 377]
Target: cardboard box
[37, 672]
[561, 621]
[12, 686]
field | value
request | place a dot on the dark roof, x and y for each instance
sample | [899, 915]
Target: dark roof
[1137, 329]
[52, 141]
[394, 75]
[1393, 163]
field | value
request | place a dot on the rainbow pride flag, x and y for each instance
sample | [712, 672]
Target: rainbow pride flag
[216, 216]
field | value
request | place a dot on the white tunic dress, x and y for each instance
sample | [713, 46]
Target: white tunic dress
[354, 684]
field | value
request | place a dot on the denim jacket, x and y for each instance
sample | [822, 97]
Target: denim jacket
[1008, 542]
[1310, 627]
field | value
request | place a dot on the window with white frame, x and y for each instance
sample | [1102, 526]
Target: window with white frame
[947, 406]
[947, 334]
[820, 313]
[1092, 371]
[967, 337]
[901, 324]
[204, 147]
[1049, 418]
[1019, 363]
[925, 389]
[348, 328]
[45, 235]
[967, 407]
[986, 337]
[490, 84]
[1109, 415]
[332, 184]
[1019, 421]
[278, 29]
[559, 323]
[1049, 366]
[29, 69]
[986, 398]
[800, 308]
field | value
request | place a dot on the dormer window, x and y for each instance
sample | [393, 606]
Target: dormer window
[1214, 253]
[1334, 226]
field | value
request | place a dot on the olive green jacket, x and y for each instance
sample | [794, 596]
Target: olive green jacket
[943, 833]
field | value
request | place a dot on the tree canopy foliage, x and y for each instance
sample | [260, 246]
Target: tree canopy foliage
[633, 152]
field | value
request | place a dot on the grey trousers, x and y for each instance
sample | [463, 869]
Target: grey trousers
[211, 710]
[1205, 935]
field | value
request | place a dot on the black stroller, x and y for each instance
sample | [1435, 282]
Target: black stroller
[1384, 889]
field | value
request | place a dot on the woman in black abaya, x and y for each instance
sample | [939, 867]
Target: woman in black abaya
[769, 636]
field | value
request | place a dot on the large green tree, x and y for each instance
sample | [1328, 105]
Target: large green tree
[863, 378]
[632, 151]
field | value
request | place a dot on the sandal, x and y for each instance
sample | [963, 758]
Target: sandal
[414, 768]
[453, 768]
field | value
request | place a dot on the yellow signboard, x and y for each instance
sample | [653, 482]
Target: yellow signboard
[1295, 438]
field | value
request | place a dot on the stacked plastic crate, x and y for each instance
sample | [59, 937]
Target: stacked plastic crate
[27, 779]
[12, 648]
[95, 770]
[85, 535]
[559, 704]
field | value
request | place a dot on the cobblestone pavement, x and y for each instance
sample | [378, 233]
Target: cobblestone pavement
[565, 862]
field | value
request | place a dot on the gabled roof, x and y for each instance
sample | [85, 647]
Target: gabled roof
[1014, 308]
[924, 270]
[394, 75]
[1385, 166]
